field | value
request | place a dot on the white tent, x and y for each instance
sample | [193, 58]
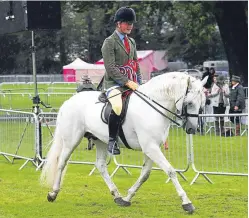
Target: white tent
[75, 70]
[76, 64]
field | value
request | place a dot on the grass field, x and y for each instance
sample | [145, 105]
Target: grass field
[19, 96]
[87, 196]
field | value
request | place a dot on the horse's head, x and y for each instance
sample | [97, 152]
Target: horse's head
[190, 104]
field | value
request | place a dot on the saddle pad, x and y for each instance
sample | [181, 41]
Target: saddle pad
[107, 108]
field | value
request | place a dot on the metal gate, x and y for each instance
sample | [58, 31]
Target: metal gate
[17, 136]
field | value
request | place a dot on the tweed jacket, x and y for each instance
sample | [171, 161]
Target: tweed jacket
[114, 55]
[237, 97]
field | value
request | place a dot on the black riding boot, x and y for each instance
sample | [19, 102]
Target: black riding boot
[113, 124]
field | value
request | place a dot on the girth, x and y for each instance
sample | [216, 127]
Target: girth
[107, 108]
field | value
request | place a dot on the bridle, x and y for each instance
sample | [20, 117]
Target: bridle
[184, 108]
[186, 114]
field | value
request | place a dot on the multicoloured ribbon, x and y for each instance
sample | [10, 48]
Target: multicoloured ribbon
[130, 70]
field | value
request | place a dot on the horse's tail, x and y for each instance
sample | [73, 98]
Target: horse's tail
[50, 168]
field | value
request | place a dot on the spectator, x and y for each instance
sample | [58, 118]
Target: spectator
[86, 84]
[205, 73]
[200, 128]
[210, 73]
[237, 101]
[201, 120]
[219, 101]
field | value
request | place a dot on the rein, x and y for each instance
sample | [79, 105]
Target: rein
[158, 103]
[106, 99]
[184, 110]
[139, 94]
[142, 95]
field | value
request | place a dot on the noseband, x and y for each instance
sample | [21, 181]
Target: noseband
[185, 113]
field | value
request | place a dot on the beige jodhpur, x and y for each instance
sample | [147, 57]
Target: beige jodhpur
[115, 101]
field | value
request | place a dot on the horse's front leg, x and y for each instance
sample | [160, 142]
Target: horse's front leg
[145, 173]
[102, 167]
[154, 153]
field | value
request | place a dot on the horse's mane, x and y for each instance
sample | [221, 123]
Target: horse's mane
[166, 85]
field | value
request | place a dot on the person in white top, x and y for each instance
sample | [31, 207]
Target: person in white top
[219, 101]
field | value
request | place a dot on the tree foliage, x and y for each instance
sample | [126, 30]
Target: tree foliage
[192, 34]
[232, 20]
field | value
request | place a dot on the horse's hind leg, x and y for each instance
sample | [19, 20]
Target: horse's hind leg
[154, 153]
[68, 148]
[102, 167]
[145, 173]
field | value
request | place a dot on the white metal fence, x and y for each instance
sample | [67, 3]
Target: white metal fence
[46, 78]
[17, 136]
[207, 152]
[13, 101]
[29, 78]
[220, 152]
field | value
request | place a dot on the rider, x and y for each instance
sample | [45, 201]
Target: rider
[122, 69]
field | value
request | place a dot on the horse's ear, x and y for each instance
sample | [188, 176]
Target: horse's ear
[204, 81]
[180, 99]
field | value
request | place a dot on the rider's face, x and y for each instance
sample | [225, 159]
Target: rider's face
[125, 27]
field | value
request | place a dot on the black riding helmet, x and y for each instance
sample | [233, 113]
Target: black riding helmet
[125, 14]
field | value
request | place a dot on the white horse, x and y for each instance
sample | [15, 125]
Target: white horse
[145, 129]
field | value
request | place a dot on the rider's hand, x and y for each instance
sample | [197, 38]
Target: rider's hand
[132, 85]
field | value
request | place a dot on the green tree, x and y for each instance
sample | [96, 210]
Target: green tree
[187, 30]
[191, 33]
[8, 47]
[231, 17]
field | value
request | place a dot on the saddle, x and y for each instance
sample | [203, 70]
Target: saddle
[107, 108]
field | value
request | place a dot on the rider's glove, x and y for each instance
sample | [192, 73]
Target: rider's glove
[132, 85]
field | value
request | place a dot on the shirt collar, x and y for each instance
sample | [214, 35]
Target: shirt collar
[120, 35]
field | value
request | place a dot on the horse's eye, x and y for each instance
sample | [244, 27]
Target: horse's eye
[190, 104]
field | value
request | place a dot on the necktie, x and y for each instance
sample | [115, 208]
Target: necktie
[126, 44]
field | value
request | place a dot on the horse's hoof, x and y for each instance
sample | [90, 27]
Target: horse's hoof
[119, 201]
[50, 198]
[189, 208]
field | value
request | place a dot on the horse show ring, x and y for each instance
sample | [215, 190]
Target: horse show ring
[234, 152]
